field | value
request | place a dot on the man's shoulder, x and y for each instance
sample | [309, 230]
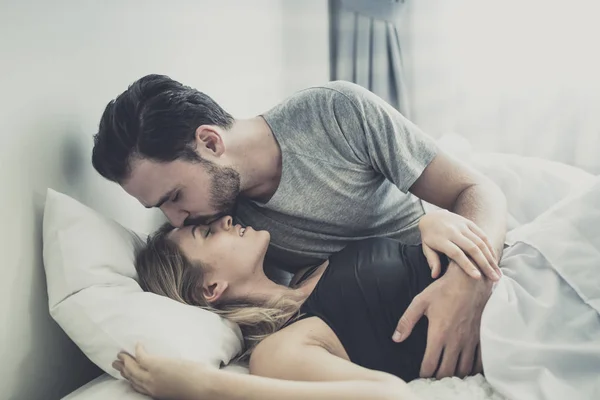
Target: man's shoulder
[320, 104]
[327, 91]
[314, 108]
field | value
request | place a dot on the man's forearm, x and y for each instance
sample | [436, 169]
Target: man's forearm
[485, 204]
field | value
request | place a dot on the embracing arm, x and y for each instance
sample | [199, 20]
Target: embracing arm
[453, 186]
[384, 140]
[453, 304]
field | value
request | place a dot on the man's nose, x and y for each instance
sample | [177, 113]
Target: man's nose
[175, 216]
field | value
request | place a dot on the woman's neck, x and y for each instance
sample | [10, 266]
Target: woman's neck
[263, 289]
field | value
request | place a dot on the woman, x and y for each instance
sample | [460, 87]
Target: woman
[328, 336]
[345, 309]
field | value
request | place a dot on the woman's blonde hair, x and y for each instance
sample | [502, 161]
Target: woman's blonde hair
[163, 269]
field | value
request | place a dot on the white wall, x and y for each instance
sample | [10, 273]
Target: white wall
[515, 76]
[61, 62]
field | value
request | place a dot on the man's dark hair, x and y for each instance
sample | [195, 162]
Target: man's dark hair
[155, 118]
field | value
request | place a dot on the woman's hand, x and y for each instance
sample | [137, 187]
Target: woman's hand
[159, 377]
[460, 239]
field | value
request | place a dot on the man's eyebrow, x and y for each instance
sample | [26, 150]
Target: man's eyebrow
[162, 199]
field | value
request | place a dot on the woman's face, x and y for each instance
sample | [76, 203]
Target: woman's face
[230, 253]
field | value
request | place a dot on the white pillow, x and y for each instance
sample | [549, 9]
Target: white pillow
[94, 295]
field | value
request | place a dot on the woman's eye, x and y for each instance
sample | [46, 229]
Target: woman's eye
[207, 232]
[176, 197]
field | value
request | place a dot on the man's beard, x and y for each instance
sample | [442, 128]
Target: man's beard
[225, 188]
[224, 191]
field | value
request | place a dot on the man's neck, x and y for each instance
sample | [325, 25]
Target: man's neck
[258, 158]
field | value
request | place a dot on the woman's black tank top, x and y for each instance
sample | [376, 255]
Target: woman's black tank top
[362, 295]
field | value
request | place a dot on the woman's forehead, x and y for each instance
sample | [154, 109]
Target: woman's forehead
[177, 233]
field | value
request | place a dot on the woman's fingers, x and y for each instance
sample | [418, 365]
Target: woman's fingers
[132, 368]
[456, 254]
[141, 355]
[481, 234]
[433, 259]
[118, 365]
[470, 244]
[139, 389]
[486, 250]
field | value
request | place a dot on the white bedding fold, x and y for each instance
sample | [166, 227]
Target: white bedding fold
[540, 332]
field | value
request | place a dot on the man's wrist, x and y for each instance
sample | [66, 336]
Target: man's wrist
[454, 272]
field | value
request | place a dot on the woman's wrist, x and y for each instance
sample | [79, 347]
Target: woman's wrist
[199, 383]
[208, 382]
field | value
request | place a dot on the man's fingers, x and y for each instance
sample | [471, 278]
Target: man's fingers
[409, 319]
[470, 247]
[466, 361]
[433, 352]
[478, 368]
[457, 255]
[433, 259]
[448, 365]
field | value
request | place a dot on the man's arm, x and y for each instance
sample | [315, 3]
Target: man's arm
[383, 139]
[451, 185]
[380, 137]
[454, 303]
[479, 236]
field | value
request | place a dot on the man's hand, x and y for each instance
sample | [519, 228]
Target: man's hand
[453, 305]
[461, 240]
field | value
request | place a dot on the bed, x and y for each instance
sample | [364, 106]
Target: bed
[531, 186]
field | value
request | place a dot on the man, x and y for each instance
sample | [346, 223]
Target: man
[328, 165]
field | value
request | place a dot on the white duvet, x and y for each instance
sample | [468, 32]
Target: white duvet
[532, 186]
[540, 330]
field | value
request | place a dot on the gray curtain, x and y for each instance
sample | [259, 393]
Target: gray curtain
[365, 47]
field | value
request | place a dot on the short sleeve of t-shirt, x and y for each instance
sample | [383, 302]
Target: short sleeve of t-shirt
[380, 135]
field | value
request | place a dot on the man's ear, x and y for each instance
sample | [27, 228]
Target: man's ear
[209, 141]
[213, 291]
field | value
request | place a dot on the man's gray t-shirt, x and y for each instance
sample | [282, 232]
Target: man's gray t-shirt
[348, 160]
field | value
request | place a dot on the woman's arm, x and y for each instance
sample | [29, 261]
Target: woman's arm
[289, 365]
